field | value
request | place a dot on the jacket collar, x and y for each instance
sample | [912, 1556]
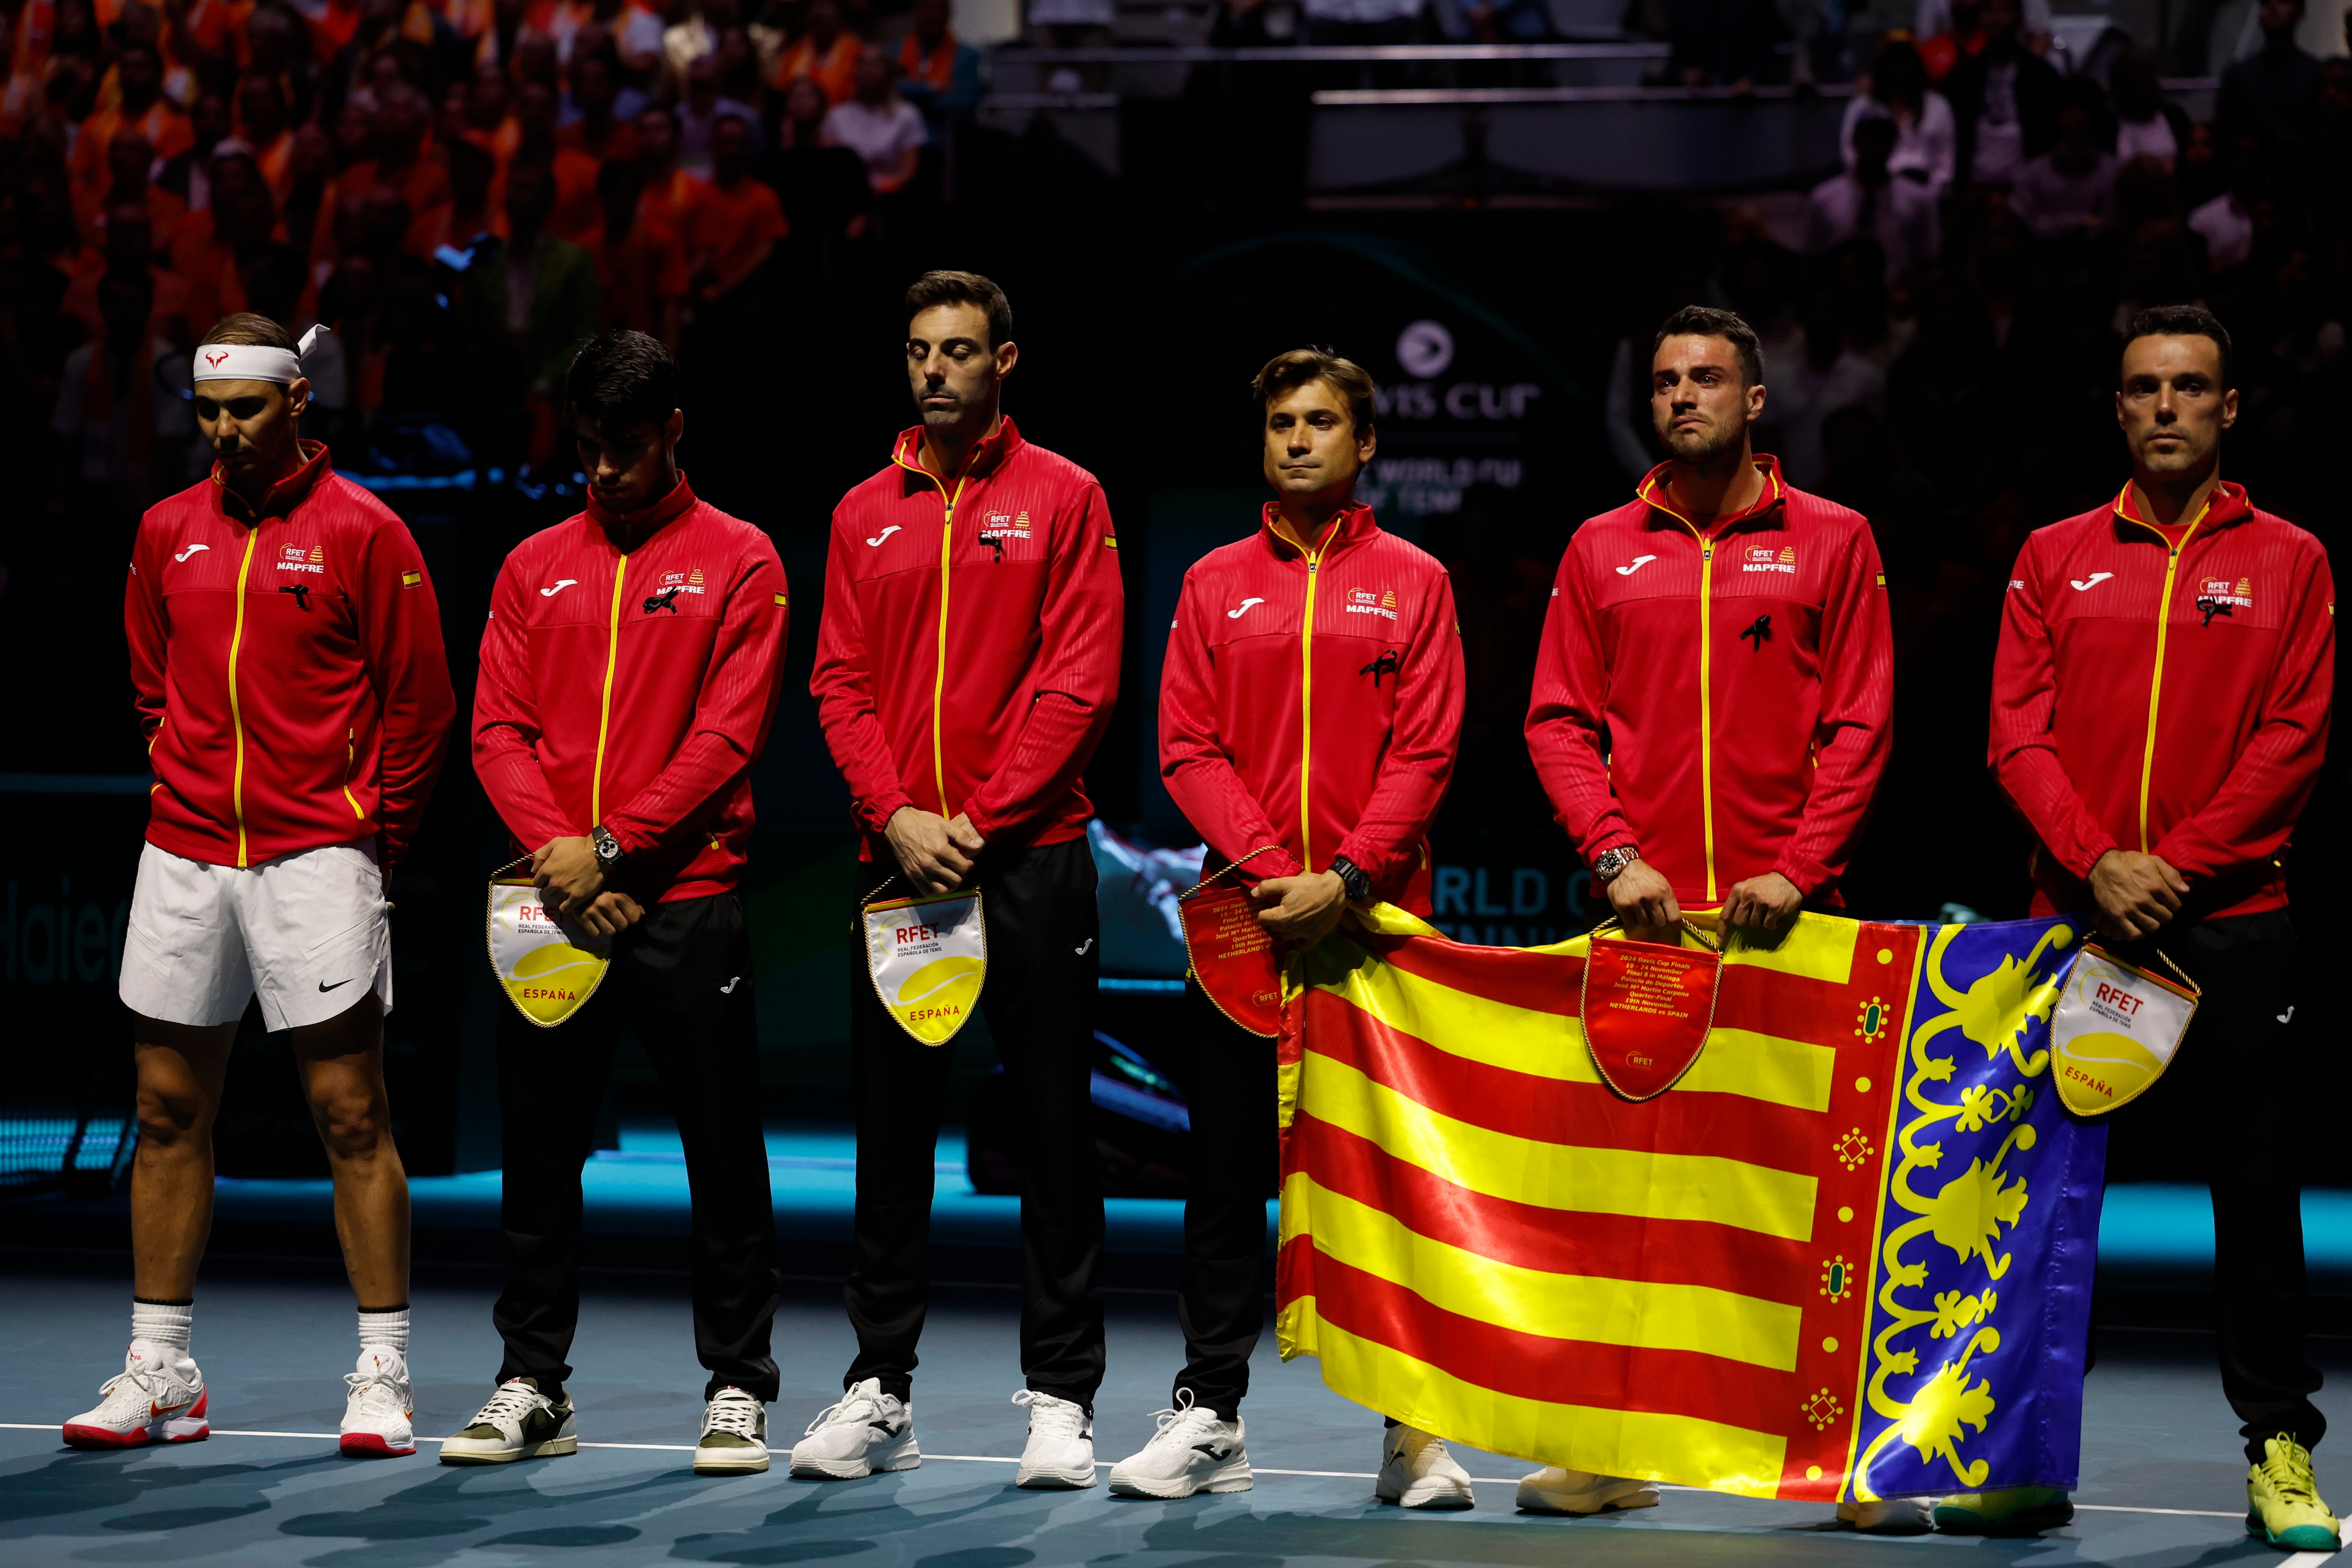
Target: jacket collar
[1769, 510]
[671, 506]
[2226, 506]
[284, 496]
[994, 447]
[1353, 525]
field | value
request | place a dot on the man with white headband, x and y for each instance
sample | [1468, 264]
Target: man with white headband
[285, 650]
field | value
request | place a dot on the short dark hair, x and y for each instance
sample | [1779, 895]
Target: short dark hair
[250, 328]
[964, 289]
[1300, 367]
[2181, 322]
[1705, 321]
[620, 380]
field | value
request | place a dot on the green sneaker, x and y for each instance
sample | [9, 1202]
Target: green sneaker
[734, 1436]
[518, 1423]
[2021, 1511]
[2282, 1502]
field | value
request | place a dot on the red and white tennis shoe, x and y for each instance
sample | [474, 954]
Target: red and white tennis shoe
[379, 1419]
[151, 1400]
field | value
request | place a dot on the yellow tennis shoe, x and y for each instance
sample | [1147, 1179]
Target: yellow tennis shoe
[2019, 1510]
[2283, 1501]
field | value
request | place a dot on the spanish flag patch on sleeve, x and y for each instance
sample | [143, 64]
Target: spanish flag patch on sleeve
[1110, 542]
[780, 600]
[411, 579]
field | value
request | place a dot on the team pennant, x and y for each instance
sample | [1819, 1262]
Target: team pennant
[927, 959]
[546, 971]
[2115, 1028]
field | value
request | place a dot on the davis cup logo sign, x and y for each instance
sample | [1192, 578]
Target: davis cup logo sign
[2114, 1030]
[928, 958]
[542, 972]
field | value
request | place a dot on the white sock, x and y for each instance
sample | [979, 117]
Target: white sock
[386, 1330]
[163, 1325]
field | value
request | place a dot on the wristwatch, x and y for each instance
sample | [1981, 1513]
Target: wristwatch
[1352, 876]
[1610, 863]
[608, 848]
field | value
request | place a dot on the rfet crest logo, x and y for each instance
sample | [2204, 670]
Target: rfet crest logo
[1373, 601]
[1766, 558]
[2222, 591]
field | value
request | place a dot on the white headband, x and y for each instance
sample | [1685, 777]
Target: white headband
[252, 362]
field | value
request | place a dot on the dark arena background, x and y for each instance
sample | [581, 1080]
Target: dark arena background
[1488, 205]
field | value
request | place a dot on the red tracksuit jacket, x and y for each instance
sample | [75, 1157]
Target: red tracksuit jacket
[291, 677]
[2171, 699]
[1718, 697]
[968, 658]
[634, 690]
[1313, 702]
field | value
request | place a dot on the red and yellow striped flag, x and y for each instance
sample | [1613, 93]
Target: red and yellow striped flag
[1480, 1238]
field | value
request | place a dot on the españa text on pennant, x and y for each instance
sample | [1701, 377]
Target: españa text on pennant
[1847, 1256]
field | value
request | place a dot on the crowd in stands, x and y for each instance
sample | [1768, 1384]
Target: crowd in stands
[462, 189]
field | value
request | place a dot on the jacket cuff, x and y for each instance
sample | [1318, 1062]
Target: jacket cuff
[874, 812]
[2088, 851]
[1276, 862]
[1616, 836]
[1374, 862]
[1807, 876]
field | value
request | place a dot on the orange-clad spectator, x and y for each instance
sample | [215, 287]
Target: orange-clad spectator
[599, 132]
[827, 50]
[402, 160]
[265, 123]
[129, 157]
[217, 27]
[138, 24]
[142, 108]
[333, 26]
[885, 131]
[734, 228]
[187, 176]
[635, 31]
[124, 432]
[640, 265]
[938, 73]
[28, 64]
[215, 245]
[469, 19]
[670, 193]
[129, 248]
[311, 188]
[575, 210]
[489, 113]
[475, 206]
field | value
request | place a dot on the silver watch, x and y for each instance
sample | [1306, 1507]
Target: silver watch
[608, 848]
[1610, 863]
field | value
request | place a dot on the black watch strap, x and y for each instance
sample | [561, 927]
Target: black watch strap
[1352, 876]
[608, 848]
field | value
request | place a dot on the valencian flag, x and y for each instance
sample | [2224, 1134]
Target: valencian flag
[1846, 1256]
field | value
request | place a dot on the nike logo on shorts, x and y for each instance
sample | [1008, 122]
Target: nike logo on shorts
[884, 535]
[324, 986]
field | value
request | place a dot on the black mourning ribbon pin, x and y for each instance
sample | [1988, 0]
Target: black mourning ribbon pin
[1385, 665]
[1758, 632]
[301, 592]
[2211, 607]
[662, 601]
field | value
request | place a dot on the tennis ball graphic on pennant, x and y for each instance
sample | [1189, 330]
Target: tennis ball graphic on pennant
[2114, 1030]
[2109, 1069]
[937, 998]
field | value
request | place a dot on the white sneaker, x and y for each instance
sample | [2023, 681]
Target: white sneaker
[1194, 1451]
[1553, 1489]
[518, 1423]
[734, 1436]
[1061, 1448]
[868, 1432]
[1417, 1472]
[1890, 1516]
[157, 1397]
[378, 1416]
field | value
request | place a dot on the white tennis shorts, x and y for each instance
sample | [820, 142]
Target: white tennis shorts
[306, 931]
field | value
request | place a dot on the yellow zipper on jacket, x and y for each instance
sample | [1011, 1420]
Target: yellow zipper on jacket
[1306, 702]
[604, 718]
[2163, 626]
[236, 709]
[1705, 680]
[350, 767]
[939, 681]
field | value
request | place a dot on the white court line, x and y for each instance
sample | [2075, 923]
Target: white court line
[2300, 1560]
